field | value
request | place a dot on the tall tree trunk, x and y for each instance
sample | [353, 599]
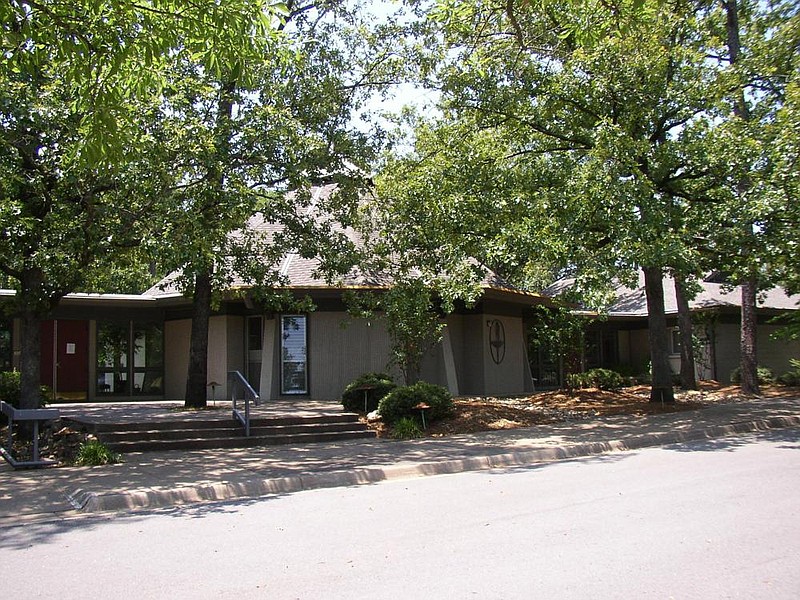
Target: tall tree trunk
[748, 354]
[31, 311]
[748, 364]
[711, 337]
[688, 372]
[30, 359]
[661, 387]
[197, 378]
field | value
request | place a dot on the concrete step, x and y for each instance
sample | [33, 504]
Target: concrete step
[240, 441]
[222, 431]
[211, 423]
[232, 429]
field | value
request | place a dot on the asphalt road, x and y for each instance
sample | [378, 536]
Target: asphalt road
[719, 519]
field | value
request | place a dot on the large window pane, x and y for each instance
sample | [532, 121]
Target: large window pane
[294, 376]
[130, 358]
[148, 358]
[113, 341]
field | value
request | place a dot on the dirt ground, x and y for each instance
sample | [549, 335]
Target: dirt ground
[475, 414]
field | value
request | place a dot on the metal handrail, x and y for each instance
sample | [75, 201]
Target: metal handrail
[235, 381]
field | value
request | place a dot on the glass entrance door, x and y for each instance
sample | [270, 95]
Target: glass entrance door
[255, 345]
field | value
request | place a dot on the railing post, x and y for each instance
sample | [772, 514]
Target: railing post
[235, 378]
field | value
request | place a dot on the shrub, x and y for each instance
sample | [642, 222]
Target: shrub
[792, 377]
[765, 376]
[401, 401]
[353, 398]
[94, 453]
[603, 379]
[406, 429]
[10, 385]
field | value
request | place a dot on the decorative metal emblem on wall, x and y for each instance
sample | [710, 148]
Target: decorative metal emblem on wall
[497, 340]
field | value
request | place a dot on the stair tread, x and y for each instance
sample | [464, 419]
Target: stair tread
[239, 441]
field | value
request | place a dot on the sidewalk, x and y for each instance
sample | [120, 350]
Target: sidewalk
[160, 479]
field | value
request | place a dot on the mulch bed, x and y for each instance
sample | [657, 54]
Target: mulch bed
[474, 414]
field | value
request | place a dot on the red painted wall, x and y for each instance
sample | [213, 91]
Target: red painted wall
[65, 348]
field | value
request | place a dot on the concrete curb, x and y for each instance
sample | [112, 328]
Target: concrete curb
[86, 501]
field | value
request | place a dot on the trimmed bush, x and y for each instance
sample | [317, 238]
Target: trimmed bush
[401, 401]
[353, 398]
[603, 379]
[764, 375]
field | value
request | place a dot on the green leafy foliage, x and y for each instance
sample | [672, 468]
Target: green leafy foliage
[765, 376]
[556, 334]
[10, 391]
[276, 118]
[402, 402]
[94, 453]
[413, 321]
[379, 385]
[111, 55]
[792, 377]
[602, 379]
[604, 138]
[406, 428]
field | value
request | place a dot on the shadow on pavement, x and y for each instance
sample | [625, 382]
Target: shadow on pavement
[730, 444]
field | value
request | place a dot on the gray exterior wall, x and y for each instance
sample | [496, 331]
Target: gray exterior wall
[470, 367]
[507, 377]
[225, 353]
[176, 357]
[773, 354]
[338, 354]
[341, 348]
[476, 371]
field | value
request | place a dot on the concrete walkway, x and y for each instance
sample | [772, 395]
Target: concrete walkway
[162, 479]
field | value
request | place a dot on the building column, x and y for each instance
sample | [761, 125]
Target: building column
[267, 357]
[449, 363]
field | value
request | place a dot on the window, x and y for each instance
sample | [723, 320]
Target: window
[675, 341]
[148, 358]
[294, 372]
[117, 374]
[112, 357]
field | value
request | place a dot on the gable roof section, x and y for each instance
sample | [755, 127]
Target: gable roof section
[303, 273]
[632, 302]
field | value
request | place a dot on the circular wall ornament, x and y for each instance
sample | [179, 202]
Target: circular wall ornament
[497, 341]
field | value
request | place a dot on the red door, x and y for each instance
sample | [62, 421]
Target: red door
[65, 358]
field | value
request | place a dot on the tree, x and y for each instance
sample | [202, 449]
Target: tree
[688, 374]
[590, 136]
[760, 47]
[265, 123]
[594, 139]
[80, 88]
[60, 218]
